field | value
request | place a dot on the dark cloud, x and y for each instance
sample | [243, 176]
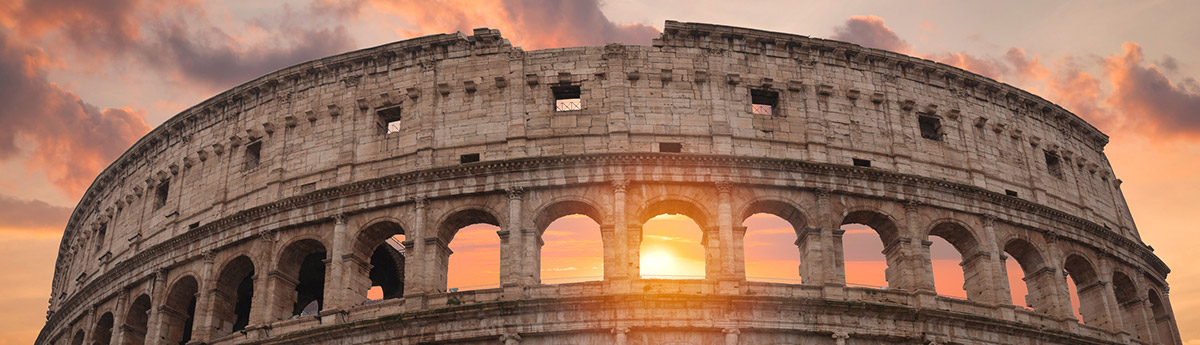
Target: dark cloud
[67, 138]
[870, 31]
[1146, 97]
[16, 214]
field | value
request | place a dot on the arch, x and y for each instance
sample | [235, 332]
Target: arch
[1038, 277]
[1088, 289]
[386, 259]
[300, 279]
[580, 254]
[179, 310]
[886, 228]
[780, 248]
[78, 338]
[674, 206]
[447, 229]
[565, 207]
[136, 321]
[974, 261]
[779, 208]
[1162, 320]
[102, 334]
[1129, 302]
[235, 293]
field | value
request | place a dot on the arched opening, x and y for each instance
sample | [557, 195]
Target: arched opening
[1132, 312]
[78, 338]
[769, 244]
[300, 285]
[235, 287]
[102, 334]
[1084, 290]
[1162, 321]
[473, 236]
[179, 312]
[136, 321]
[869, 256]
[571, 248]
[959, 266]
[1015, 277]
[673, 243]
[1037, 285]
[383, 244]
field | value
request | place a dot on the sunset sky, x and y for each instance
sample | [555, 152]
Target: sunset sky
[81, 80]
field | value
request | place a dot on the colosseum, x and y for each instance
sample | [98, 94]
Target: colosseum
[264, 215]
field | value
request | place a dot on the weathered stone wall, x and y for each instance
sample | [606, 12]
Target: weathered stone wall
[329, 171]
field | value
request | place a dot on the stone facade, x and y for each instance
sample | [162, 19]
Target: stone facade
[236, 213]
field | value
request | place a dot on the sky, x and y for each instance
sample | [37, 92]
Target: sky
[81, 80]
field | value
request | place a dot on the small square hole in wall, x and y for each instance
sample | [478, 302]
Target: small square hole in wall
[764, 102]
[1010, 192]
[468, 158]
[670, 147]
[193, 226]
[308, 187]
[931, 127]
[862, 162]
[1054, 164]
[566, 98]
[253, 154]
[389, 119]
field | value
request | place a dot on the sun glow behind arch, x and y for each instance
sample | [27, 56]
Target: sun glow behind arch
[671, 248]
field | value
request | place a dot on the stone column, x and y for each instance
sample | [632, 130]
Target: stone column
[914, 258]
[203, 325]
[118, 331]
[725, 229]
[624, 268]
[998, 292]
[512, 249]
[264, 302]
[1061, 296]
[158, 300]
[337, 289]
[533, 256]
[415, 281]
[1174, 337]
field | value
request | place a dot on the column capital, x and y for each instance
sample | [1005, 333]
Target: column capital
[420, 201]
[822, 193]
[339, 218]
[911, 206]
[620, 185]
[515, 192]
[209, 256]
[724, 187]
[988, 219]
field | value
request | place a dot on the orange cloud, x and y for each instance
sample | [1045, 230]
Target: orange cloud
[31, 215]
[531, 24]
[1146, 98]
[66, 137]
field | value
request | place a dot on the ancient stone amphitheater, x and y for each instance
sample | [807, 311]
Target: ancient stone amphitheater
[227, 222]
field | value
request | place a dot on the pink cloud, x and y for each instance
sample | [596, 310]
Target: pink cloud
[870, 31]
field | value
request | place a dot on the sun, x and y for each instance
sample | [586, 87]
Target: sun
[659, 262]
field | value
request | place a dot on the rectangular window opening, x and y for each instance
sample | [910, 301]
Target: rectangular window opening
[1010, 192]
[931, 127]
[160, 194]
[100, 235]
[866, 163]
[468, 158]
[670, 147]
[389, 119]
[566, 98]
[763, 102]
[308, 187]
[1053, 164]
[253, 154]
[193, 226]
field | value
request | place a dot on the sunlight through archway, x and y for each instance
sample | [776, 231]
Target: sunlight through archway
[671, 248]
[475, 263]
[573, 251]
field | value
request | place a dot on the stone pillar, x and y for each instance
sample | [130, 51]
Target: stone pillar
[839, 338]
[91, 325]
[415, 281]
[118, 331]
[437, 259]
[739, 252]
[158, 300]
[512, 256]
[620, 336]
[1061, 297]
[1174, 337]
[611, 261]
[997, 291]
[914, 261]
[625, 264]
[338, 290]
[725, 230]
[265, 300]
[533, 256]
[731, 335]
[203, 325]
